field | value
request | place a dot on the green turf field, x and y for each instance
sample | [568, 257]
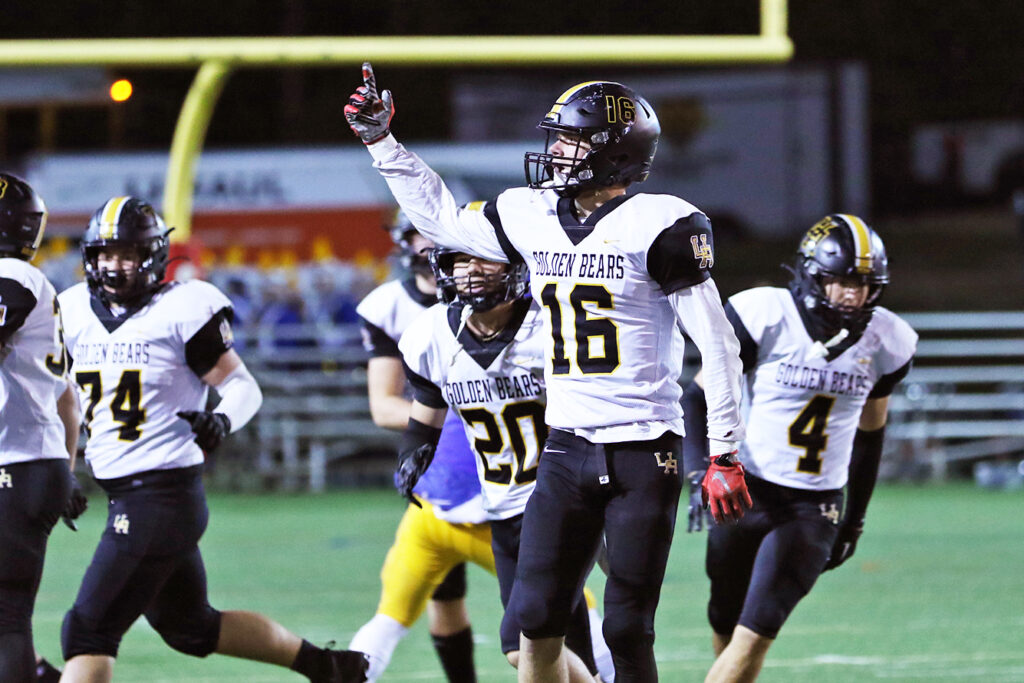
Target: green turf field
[935, 592]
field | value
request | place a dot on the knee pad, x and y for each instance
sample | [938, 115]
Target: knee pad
[80, 636]
[15, 608]
[722, 621]
[17, 659]
[454, 585]
[196, 636]
[535, 616]
[626, 629]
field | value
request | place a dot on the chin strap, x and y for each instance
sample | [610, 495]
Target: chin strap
[466, 312]
[819, 350]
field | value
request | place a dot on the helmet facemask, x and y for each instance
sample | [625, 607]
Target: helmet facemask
[570, 173]
[477, 291]
[121, 286]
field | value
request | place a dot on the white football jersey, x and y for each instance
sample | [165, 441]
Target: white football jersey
[802, 411]
[389, 309]
[614, 350]
[33, 366]
[496, 387]
[133, 375]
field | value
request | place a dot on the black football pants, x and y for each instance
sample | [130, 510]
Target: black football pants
[628, 490]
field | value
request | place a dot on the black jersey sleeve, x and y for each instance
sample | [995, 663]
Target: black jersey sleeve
[16, 302]
[748, 347]
[682, 254]
[423, 390]
[491, 213]
[886, 383]
[377, 342]
[208, 344]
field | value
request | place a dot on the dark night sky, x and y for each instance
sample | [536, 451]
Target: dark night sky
[928, 60]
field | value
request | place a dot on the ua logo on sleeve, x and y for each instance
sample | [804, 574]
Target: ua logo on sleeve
[6, 480]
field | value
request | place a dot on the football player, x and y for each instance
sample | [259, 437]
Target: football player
[144, 355]
[447, 521]
[615, 275]
[38, 428]
[820, 361]
[481, 356]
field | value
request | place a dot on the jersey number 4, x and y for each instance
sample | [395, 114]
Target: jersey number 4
[494, 444]
[808, 432]
[125, 406]
[589, 330]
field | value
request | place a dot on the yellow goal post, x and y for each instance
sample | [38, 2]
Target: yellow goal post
[216, 58]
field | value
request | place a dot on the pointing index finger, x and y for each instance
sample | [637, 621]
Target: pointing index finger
[369, 80]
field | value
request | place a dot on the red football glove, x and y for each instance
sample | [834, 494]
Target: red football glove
[724, 488]
[367, 113]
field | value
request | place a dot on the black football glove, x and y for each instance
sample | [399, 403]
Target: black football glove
[699, 516]
[210, 428]
[76, 505]
[411, 467]
[846, 543]
[369, 114]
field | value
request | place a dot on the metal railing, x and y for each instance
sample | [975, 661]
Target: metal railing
[963, 399]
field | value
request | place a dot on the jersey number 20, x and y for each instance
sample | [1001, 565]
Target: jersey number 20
[494, 444]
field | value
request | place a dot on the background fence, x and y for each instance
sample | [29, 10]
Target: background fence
[962, 402]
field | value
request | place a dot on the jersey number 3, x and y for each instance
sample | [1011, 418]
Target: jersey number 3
[590, 331]
[808, 432]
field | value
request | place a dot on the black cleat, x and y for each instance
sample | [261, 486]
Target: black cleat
[345, 666]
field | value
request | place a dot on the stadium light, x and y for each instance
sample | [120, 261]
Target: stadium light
[121, 90]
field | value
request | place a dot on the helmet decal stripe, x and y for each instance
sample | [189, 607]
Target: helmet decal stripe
[111, 213]
[564, 97]
[861, 242]
[556, 108]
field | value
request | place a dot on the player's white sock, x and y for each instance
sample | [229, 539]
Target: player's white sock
[602, 655]
[378, 638]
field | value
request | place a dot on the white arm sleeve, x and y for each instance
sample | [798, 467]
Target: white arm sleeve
[240, 397]
[701, 315]
[430, 205]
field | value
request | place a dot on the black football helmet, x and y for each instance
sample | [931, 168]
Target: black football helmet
[126, 221]
[510, 284]
[402, 230]
[838, 246]
[620, 127]
[22, 218]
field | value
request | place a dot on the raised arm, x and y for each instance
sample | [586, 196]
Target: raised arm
[421, 193]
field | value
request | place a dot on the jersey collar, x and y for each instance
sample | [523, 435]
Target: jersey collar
[111, 321]
[424, 300]
[482, 352]
[816, 333]
[574, 229]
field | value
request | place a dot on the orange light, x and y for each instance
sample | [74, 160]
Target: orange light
[120, 90]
